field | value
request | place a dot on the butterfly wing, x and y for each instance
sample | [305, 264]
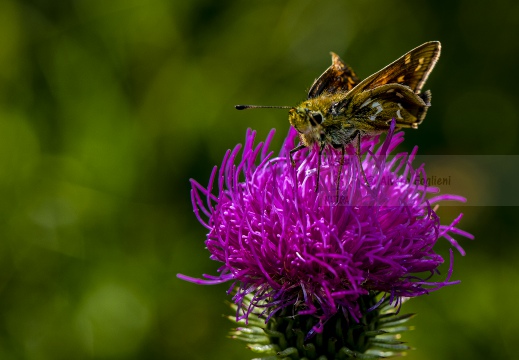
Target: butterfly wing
[412, 69]
[338, 77]
[372, 111]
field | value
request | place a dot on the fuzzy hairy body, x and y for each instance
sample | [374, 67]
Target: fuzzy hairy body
[367, 113]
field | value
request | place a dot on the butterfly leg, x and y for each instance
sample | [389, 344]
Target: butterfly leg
[321, 149]
[360, 159]
[341, 163]
[293, 151]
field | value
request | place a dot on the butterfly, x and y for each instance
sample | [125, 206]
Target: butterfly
[340, 109]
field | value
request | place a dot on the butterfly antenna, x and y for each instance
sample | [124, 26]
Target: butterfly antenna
[243, 107]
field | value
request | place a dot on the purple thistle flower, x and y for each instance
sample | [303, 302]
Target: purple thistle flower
[285, 246]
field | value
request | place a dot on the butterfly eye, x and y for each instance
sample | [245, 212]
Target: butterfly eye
[318, 118]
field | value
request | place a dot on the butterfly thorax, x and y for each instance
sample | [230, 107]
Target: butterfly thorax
[316, 121]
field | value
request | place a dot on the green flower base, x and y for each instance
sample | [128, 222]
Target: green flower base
[376, 336]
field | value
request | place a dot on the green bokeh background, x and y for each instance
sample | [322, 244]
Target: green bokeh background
[107, 108]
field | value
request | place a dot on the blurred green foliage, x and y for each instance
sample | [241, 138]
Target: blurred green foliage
[107, 108]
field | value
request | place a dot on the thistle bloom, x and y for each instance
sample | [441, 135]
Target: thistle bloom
[284, 246]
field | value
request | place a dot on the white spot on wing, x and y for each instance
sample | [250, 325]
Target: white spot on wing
[365, 103]
[399, 95]
[398, 114]
[377, 105]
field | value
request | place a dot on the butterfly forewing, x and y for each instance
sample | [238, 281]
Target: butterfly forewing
[412, 69]
[339, 77]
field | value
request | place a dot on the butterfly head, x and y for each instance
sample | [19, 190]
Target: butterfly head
[306, 119]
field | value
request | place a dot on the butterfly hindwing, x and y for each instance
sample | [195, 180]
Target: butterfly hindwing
[372, 110]
[338, 77]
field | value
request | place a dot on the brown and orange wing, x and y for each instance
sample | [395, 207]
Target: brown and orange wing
[412, 69]
[338, 77]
